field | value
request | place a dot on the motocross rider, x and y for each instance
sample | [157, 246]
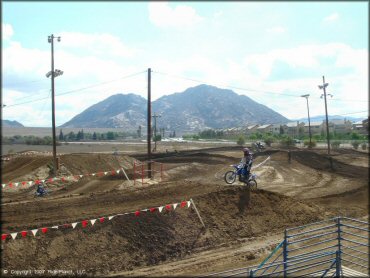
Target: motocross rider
[247, 162]
[40, 189]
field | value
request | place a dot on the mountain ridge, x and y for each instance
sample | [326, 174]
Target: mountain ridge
[194, 109]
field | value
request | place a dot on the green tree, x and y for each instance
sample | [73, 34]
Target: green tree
[287, 141]
[110, 135]
[94, 137]
[241, 140]
[61, 136]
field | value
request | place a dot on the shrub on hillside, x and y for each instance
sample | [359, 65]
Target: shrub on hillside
[355, 144]
[269, 140]
[306, 143]
[363, 146]
[287, 142]
[335, 145]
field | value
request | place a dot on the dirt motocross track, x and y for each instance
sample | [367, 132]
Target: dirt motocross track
[242, 225]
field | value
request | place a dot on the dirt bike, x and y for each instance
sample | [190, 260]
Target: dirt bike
[239, 171]
[43, 192]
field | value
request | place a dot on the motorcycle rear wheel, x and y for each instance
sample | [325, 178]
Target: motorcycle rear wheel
[230, 177]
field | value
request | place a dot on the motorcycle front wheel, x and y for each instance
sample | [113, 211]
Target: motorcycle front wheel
[252, 184]
[230, 177]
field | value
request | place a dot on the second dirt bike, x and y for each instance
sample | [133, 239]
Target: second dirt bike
[239, 171]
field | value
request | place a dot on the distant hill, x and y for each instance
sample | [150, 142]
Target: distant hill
[195, 109]
[7, 123]
[118, 111]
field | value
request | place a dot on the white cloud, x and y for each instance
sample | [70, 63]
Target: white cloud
[331, 18]
[7, 31]
[162, 15]
[276, 30]
[96, 44]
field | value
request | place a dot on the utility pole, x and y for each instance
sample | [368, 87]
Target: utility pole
[53, 74]
[149, 126]
[323, 87]
[155, 116]
[309, 122]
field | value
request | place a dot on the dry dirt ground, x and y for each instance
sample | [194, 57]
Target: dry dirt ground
[242, 225]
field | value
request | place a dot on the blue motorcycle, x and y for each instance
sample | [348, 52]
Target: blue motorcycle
[239, 171]
[41, 191]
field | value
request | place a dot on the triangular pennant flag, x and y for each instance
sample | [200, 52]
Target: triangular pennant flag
[24, 183]
[105, 173]
[168, 207]
[183, 204]
[153, 209]
[92, 222]
[160, 208]
[30, 182]
[4, 236]
[175, 205]
[44, 230]
[42, 180]
[10, 185]
[63, 179]
[93, 174]
[34, 232]
[188, 204]
[24, 233]
[84, 223]
[50, 180]
[101, 219]
[16, 184]
[144, 210]
[54, 227]
[137, 213]
[113, 172]
[3, 185]
[110, 217]
[14, 235]
[118, 171]
[81, 176]
[37, 181]
[74, 225]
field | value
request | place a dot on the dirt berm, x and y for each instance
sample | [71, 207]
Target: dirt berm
[130, 241]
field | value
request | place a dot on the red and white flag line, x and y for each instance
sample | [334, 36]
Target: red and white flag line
[64, 179]
[85, 223]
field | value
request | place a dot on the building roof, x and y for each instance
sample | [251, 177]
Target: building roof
[252, 126]
[314, 124]
[263, 126]
[291, 124]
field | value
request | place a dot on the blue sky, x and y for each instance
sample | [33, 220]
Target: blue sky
[275, 51]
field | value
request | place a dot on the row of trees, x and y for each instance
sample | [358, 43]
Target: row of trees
[81, 135]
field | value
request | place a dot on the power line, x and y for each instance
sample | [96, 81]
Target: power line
[77, 90]
[249, 89]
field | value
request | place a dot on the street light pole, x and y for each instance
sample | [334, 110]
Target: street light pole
[323, 87]
[309, 121]
[149, 125]
[53, 75]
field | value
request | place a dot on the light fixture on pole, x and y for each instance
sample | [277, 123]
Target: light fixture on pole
[323, 87]
[53, 74]
[309, 121]
[155, 116]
